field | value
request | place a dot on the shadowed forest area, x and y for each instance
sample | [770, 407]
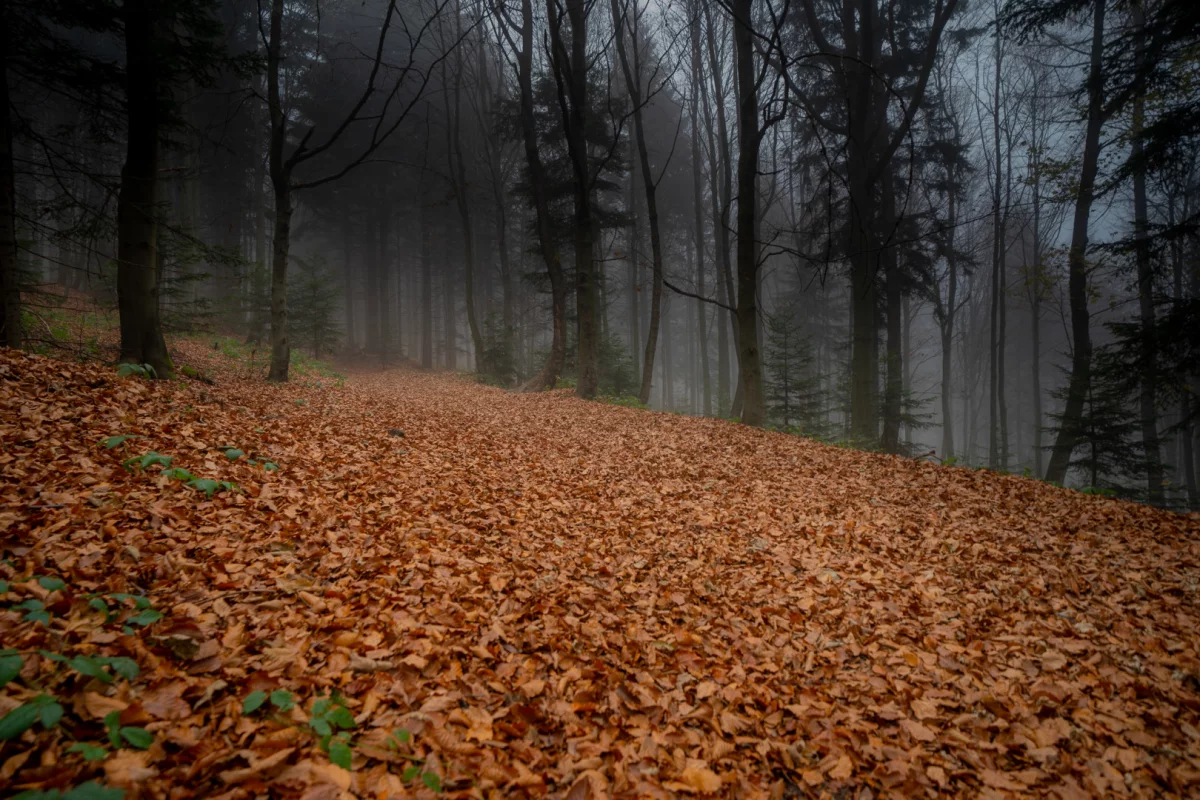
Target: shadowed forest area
[599, 398]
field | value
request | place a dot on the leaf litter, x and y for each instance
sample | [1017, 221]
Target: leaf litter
[532, 595]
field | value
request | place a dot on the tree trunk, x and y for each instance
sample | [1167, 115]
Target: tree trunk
[371, 240]
[749, 138]
[426, 287]
[1148, 399]
[458, 185]
[348, 279]
[280, 348]
[142, 339]
[947, 326]
[894, 382]
[384, 272]
[281, 180]
[1081, 345]
[571, 72]
[548, 376]
[633, 79]
[10, 289]
[720, 167]
[698, 218]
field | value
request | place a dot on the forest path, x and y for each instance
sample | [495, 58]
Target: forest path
[564, 596]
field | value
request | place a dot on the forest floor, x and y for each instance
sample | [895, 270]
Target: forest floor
[537, 595]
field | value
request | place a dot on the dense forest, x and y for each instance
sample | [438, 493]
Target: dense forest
[959, 230]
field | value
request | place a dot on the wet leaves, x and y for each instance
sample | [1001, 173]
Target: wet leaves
[552, 597]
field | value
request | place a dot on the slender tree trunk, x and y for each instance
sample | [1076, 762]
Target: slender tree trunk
[372, 263]
[142, 339]
[1185, 435]
[1035, 295]
[1081, 345]
[450, 322]
[749, 139]
[635, 314]
[553, 367]
[426, 288]
[348, 279]
[633, 79]
[698, 212]
[458, 185]
[894, 381]
[281, 180]
[721, 159]
[384, 272]
[947, 326]
[10, 289]
[1148, 399]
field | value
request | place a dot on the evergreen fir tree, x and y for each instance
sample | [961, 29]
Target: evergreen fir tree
[314, 300]
[793, 391]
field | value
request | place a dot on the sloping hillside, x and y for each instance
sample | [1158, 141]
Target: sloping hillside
[534, 594]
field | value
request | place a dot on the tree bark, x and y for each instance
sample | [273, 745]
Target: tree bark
[10, 289]
[571, 73]
[749, 139]
[142, 339]
[698, 218]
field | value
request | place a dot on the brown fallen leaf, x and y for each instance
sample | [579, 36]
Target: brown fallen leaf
[257, 766]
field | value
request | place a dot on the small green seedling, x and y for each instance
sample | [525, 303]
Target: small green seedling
[113, 442]
[140, 370]
[117, 733]
[148, 460]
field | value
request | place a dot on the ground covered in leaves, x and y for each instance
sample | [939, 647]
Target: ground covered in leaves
[455, 590]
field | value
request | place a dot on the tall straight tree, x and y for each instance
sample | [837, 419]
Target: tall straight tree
[142, 340]
[750, 136]
[624, 23]
[570, 65]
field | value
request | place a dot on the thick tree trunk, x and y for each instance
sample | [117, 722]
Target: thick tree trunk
[10, 289]
[280, 348]
[142, 339]
[1081, 346]
[571, 71]
[749, 138]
